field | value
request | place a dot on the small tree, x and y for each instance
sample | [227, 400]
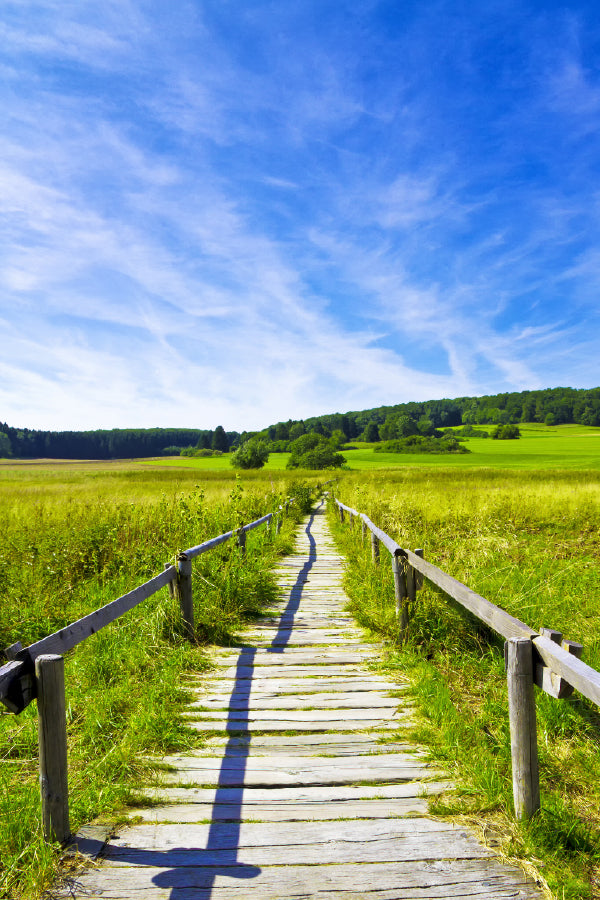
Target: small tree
[219, 441]
[371, 433]
[5, 446]
[296, 430]
[337, 439]
[313, 451]
[251, 455]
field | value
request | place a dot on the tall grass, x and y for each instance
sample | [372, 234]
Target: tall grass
[72, 539]
[529, 543]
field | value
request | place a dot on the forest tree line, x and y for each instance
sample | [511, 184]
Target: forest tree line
[552, 406]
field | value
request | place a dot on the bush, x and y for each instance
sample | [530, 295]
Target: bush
[251, 455]
[417, 443]
[506, 433]
[313, 451]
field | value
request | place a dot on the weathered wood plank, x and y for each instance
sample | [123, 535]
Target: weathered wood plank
[444, 880]
[233, 726]
[267, 672]
[289, 811]
[276, 686]
[247, 776]
[307, 793]
[310, 701]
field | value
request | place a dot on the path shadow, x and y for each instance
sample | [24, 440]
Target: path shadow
[191, 872]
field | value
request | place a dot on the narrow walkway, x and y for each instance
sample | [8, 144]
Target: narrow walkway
[306, 789]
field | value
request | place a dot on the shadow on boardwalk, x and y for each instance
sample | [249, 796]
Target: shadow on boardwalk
[219, 857]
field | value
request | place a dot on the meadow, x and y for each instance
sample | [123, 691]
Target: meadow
[72, 538]
[518, 521]
[539, 447]
[529, 542]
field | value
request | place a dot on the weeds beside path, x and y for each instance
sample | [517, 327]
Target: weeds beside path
[529, 543]
[72, 540]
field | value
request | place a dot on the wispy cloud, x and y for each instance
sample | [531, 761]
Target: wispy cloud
[259, 218]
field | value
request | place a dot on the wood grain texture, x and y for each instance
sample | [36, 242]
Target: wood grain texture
[52, 734]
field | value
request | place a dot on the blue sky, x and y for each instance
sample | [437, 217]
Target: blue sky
[238, 212]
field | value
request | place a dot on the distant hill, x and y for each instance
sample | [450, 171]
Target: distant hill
[554, 406]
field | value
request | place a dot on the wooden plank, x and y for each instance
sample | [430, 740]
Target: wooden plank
[267, 835]
[309, 793]
[296, 764]
[277, 686]
[444, 880]
[301, 715]
[236, 725]
[408, 847]
[310, 701]
[321, 811]
[267, 671]
[298, 655]
[247, 774]
[222, 538]
[314, 744]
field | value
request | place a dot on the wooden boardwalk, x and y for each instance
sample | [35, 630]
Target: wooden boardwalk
[306, 788]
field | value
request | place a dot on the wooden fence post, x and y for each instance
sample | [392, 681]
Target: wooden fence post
[184, 590]
[278, 524]
[241, 540]
[341, 512]
[523, 736]
[52, 732]
[363, 530]
[374, 548]
[400, 594]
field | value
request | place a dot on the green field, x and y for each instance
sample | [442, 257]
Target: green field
[528, 542]
[518, 521]
[74, 536]
[539, 447]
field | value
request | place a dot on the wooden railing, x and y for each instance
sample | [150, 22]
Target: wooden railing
[532, 658]
[37, 671]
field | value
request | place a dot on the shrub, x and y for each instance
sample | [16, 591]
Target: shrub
[417, 443]
[506, 433]
[313, 451]
[251, 455]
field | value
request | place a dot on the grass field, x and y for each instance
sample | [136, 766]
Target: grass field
[529, 542]
[518, 521]
[72, 538]
[540, 447]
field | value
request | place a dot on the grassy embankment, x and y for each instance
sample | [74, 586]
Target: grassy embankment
[73, 537]
[529, 542]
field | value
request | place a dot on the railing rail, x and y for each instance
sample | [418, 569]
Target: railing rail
[552, 664]
[37, 671]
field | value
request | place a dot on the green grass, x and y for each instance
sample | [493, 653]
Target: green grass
[72, 538]
[528, 541]
[275, 463]
[539, 447]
